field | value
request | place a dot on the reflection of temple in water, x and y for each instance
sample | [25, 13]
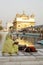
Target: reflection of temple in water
[24, 39]
[29, 39]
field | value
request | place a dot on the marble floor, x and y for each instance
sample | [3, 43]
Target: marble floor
[33, 58]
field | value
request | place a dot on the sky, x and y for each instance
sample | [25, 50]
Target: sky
[9, 8]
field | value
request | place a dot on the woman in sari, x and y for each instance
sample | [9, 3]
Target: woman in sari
[8, 45]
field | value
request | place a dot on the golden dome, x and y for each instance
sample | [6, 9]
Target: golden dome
[23, 14]
[17, 15]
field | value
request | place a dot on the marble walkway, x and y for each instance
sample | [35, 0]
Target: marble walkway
[33, 58]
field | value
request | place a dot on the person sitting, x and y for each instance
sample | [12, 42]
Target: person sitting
[7, 46]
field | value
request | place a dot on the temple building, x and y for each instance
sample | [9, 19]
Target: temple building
[22, 21]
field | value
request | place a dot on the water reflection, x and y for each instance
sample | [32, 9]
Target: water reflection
[26, 41]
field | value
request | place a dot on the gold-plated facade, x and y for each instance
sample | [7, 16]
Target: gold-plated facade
[23, 21]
